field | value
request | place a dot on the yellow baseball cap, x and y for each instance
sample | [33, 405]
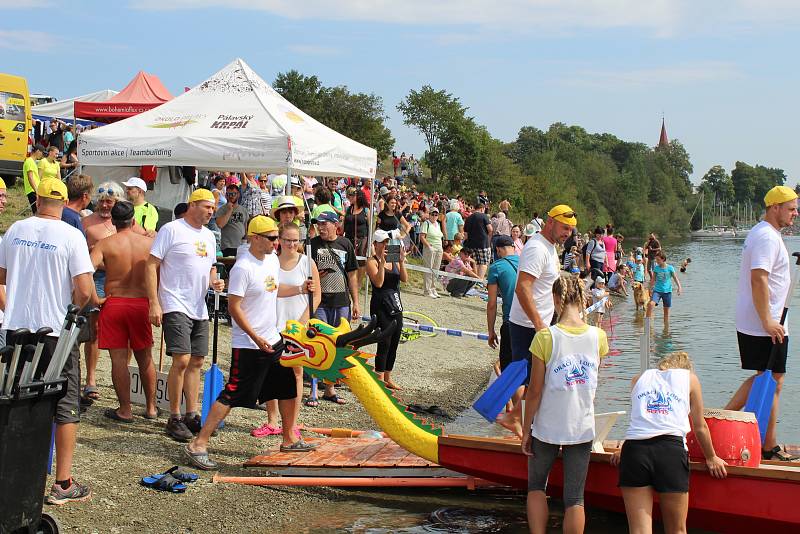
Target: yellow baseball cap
[201, 194]
[261, 224]
[52, 188]
[778, 195]
[2, 184]
[563, 213]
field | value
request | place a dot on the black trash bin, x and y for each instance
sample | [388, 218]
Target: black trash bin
[26, 423]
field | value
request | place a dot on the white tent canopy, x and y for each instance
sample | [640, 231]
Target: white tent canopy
[232, 121]
[63, 109]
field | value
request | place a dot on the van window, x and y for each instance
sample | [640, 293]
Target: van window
[12, 106]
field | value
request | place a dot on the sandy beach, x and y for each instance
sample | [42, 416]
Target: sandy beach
[112, 457]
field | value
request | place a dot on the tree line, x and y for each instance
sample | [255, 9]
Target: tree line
[635, 187]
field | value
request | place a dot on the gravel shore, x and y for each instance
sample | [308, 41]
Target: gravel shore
[112, 457]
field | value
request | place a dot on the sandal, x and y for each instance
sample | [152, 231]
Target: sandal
[779, 455]
[266, 430]
[164, 483]
[179, 473]
[334, 399]
[199, 459]
[311, 403]
[111, 413]
[90, 394]
[299, 446]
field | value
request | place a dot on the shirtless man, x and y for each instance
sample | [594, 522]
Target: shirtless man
[124, 319]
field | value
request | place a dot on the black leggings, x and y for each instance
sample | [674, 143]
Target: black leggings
[386, 352]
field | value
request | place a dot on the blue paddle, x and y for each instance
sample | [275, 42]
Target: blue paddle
[496, 395]
[213, 380]
[762, 393]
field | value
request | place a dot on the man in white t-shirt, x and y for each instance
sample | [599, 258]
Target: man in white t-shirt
[3, 199]
[764, 281]
[46, 252]
[179, 272]
[256, 373]
[533, 307]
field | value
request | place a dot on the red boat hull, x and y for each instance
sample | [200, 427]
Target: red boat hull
[750, 499]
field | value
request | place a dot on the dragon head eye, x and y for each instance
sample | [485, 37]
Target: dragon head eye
[311, 333]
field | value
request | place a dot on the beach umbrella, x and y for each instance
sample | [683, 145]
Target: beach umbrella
[213, 381]
[762, 393]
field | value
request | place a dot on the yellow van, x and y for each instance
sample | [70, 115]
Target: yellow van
[15, 125]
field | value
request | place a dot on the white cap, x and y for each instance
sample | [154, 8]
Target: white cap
[136, 182]
[599, 280]
[379, 236]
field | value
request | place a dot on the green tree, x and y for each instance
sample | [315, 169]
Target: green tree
[718, 182]
[359, 116]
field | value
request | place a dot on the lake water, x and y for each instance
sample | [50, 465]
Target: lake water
[702, 323]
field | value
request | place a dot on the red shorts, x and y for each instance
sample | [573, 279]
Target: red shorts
[123, 323]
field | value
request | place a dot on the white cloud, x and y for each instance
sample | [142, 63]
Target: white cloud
[683, 74]
[27, 41]
[314, 50]
[657, 18]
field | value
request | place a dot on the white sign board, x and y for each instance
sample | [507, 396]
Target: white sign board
[162, 396]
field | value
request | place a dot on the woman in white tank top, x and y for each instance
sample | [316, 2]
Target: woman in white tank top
[559, 407]
[294, 272]
[654, 457]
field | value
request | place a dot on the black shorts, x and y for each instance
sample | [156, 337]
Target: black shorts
[505, 346]
[257, 376]
[754, 351]
[661, 462]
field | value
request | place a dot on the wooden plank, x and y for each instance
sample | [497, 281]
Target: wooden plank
[389, 456]
[373, 448]
[274, 457]
[487, 444]
[346, 451]
[319, 456]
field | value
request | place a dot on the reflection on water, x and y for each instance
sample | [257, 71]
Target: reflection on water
[702, 323]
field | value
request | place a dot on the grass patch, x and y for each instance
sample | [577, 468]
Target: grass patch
[16, 206]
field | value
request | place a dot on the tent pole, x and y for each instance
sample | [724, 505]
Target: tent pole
[371, 221]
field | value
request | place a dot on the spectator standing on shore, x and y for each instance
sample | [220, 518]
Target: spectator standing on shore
[66, 267]
[385, 303]
[610, 243]
[595, 256]
[146, 215]
[652, 247]
[430, 236]
[356, 227]
[454, 223]
[124, 318]
[516, 236]
[255, 195]
[533, 308]
[180, 270]
[30, 175]
[336, 261]
[49, 166]
[79, 189]
[478, 230]
[764, 281]
[231, 219]
[501, 281]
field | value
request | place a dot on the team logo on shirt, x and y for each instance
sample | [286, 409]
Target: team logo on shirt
[659, 403]
[201, 248]
[576, 371]
[269, 284]
[576, 376]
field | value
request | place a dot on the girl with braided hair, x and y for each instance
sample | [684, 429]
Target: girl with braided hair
[559, 412]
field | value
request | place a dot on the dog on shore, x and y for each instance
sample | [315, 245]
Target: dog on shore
[640, 295]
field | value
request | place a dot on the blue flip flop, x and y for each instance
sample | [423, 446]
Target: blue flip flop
[177, 472]
[164, 482]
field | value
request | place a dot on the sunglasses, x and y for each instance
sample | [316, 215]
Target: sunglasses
[106, 191]
[270, 237]
[567, 214]
[263, 181]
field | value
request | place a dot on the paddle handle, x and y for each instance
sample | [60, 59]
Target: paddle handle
[216, 317]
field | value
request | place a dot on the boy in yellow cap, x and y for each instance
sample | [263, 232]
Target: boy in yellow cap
[764, 281]
[180, 270]
[45, 248]
[256, 373]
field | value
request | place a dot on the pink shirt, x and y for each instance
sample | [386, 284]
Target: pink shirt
[611, 248]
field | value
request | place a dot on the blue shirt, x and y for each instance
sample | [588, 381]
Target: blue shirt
[663, 278]
[72, 218]
[503, 272]
[452, 221]
[638, 272]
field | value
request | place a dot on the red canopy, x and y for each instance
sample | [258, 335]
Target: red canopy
[144, 92]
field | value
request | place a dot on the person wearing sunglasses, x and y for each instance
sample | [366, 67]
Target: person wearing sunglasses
[231, 220]
[256, 373]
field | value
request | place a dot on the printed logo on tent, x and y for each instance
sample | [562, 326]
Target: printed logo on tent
[231, 122]
[294, 117]
[175, 121]
[175, 124]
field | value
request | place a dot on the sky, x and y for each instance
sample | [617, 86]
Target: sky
[723, 73]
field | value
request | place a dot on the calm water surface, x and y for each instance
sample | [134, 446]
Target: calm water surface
[702, 323]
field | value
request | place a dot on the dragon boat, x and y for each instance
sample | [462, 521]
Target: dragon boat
[749, 498]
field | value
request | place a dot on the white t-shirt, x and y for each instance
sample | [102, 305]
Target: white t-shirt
[292, 308]
[660, 404]
[187, 255]
[540, 259]
[256, 281]
[763, 249]
[41, 257]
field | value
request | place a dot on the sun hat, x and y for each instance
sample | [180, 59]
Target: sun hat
[201, 194]
[599, 280]
[261, 224]
[383, 191]
[327, 216]
[380, 236]
[563, 213]
[52, 188]
[778, 195]
[530, 230]
[282, 203]
[136, 182]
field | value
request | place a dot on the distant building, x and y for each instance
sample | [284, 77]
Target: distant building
[663, 140]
